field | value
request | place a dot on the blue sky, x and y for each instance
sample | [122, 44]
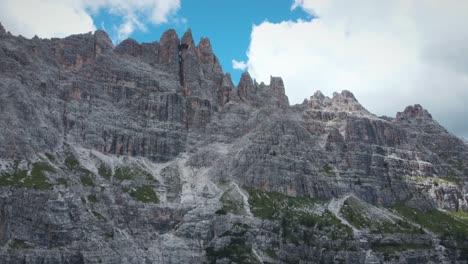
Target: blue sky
[227, 24]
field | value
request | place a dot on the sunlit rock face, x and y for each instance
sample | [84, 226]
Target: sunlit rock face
[148, 153]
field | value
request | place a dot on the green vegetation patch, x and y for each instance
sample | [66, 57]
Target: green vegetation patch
[271, 252]
[295, 216]
[355, 213]
[50, 156]
[62, 181]
[457, 164]
[71, 162]
[145, 194]
[328, 169]
[37, 179]
[230, 204]
[451, 225]
[99, 216]
[85, 171]
[450, 179]
[391, 248]
[238, 250]
[86, 175]
[131, 173]
[237, 229]
[123, 173]
[92, 199]
[87, 181]
[436, 180]
[301, 227]
[109, 236]
[272, 205]
[460, 215]
[18, 244]
[105, 171]
[14, 178]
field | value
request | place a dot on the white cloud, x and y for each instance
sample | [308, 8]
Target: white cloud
[239, 65]
[45, 18]
[388, 53]
[60, 18]
[296, 4]
[136, 13]
[128, 27]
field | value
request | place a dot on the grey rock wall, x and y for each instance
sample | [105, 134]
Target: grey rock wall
[148, 153]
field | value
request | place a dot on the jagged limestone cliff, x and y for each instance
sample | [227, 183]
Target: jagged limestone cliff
[148, 153]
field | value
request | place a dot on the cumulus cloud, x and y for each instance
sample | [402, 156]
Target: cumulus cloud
[128, 27]
[45, 18]
[65, 17]
[390, 54]
[239, 65]
[135, 13]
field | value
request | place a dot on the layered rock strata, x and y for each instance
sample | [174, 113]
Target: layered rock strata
[148, 153]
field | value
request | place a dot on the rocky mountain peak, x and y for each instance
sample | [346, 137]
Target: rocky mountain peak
[249, 91]
[129, 46]
[187, 39]
[278, 91]
[340, 102]
[419, 118]
[318, 95]
[348, 94]
[225, 94]
[318, 101]
[345, 101]
[205, 44]
[168, 37]
[414, 112]
[246, 80]
[227, 81]
[146, 52]
[245, 87]
[2, 30]
[169, 49]
[205, 52]
[277, 83]
[103, 40]
[345, 94]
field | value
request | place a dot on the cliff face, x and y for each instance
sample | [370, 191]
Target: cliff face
[149, 153]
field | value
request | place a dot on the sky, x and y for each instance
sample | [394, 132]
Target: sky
[389, 53]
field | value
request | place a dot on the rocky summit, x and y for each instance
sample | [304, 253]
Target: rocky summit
[148, 153]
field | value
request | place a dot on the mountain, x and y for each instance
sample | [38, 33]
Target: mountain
[148, 153]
